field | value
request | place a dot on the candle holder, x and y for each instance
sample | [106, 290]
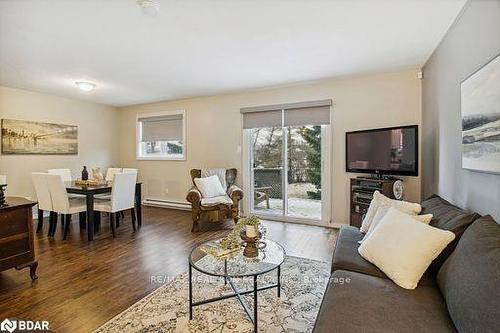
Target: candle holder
[2, 195]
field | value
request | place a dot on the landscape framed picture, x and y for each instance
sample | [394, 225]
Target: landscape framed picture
[480, 103]
[21, 137]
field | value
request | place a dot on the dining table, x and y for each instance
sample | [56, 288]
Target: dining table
[89, 191]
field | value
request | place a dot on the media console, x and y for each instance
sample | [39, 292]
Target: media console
[362, 189]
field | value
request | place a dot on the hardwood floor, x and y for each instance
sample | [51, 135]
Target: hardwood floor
[83, 284]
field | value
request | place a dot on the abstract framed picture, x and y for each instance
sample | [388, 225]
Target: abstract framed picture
[21, 137]
[480, 103]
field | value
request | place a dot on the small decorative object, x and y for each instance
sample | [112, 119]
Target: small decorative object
[251, 224]
[97, 174]
[20, 137]
[398, 189]
[85, 173]
[3, 185]
[480, 99]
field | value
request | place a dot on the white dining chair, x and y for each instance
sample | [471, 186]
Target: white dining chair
[122, 198]
[43, 197]
[129, 170]
[62, 204]
[110, 173]
[64, 173]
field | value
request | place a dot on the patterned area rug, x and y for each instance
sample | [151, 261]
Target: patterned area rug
[167, 309]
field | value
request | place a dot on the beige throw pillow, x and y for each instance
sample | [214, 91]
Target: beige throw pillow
[403, 248]
[380, 200]
[382, 211]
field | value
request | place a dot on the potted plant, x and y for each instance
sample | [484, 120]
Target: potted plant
[251, 225]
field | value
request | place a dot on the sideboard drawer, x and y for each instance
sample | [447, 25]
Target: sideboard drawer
[13, 222]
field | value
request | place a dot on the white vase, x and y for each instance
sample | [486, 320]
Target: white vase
[251, 231]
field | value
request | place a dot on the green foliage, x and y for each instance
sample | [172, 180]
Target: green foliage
[267, 143]
[312, 135]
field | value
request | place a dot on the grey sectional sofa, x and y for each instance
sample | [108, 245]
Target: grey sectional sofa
[459, 292]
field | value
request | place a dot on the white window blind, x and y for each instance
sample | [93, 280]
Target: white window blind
[161, 128]
[294, 114]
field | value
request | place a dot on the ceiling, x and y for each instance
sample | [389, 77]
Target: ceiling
[206, 47]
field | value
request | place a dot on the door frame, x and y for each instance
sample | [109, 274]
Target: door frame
[326, 162]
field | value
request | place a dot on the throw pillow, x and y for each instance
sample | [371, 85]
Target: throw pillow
[382, 211]
[380, 200]
[403, 249]
[209, 186]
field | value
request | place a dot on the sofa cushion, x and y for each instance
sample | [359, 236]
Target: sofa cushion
[403, 248]
[447, 217]
[365, 303]
[346, 256]
[470, 278]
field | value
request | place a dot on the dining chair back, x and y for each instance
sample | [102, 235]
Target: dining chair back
[58, 194]
[64, 173]
[129, 170]
[42, 190]
[110, 173]
[123, 191]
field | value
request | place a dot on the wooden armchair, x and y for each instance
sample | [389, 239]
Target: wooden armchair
[229, 209]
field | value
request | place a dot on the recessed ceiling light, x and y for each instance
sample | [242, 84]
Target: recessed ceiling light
[149, 7]
[85, 86]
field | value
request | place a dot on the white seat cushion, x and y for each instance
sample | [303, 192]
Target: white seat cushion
[102, 205]
[214, 201]
[403, 248]
[77, 205]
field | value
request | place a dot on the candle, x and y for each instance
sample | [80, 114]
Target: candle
[3, 179]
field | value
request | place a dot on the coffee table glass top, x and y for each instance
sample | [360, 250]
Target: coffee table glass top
[241, 262]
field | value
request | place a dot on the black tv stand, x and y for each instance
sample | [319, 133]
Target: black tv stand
[362, 189]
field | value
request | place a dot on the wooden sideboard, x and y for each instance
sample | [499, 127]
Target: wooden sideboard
[16, 236]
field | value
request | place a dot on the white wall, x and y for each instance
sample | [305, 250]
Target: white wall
[214, 129]
[97, 135]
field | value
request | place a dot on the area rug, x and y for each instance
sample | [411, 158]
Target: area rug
[167, 308]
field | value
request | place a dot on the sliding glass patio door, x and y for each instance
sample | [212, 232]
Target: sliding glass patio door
[288, 166]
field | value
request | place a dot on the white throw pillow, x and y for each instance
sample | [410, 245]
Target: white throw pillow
[402, 248]
[380, 200]
[209, 186]
[382, 211]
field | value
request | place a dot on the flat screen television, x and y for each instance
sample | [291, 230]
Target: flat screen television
[383, 151]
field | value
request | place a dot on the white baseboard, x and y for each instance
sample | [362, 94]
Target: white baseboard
[166, 203]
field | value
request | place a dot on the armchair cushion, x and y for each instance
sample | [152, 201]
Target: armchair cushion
[214, 201]
[210, 187]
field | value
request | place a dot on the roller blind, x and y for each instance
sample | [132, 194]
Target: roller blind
[262, 119]
[319, 115]
[293, 114]
[161, 128]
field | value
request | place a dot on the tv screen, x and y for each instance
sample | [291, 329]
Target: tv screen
[389, 151]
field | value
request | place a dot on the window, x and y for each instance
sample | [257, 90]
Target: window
[161, 136]
[287, 161]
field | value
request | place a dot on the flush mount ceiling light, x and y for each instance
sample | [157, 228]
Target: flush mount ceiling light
[149, 7]
[85, 86]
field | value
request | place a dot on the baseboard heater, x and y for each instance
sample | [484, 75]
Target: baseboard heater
[182, 205]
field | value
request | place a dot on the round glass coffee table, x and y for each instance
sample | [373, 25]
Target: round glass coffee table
[243, 262]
